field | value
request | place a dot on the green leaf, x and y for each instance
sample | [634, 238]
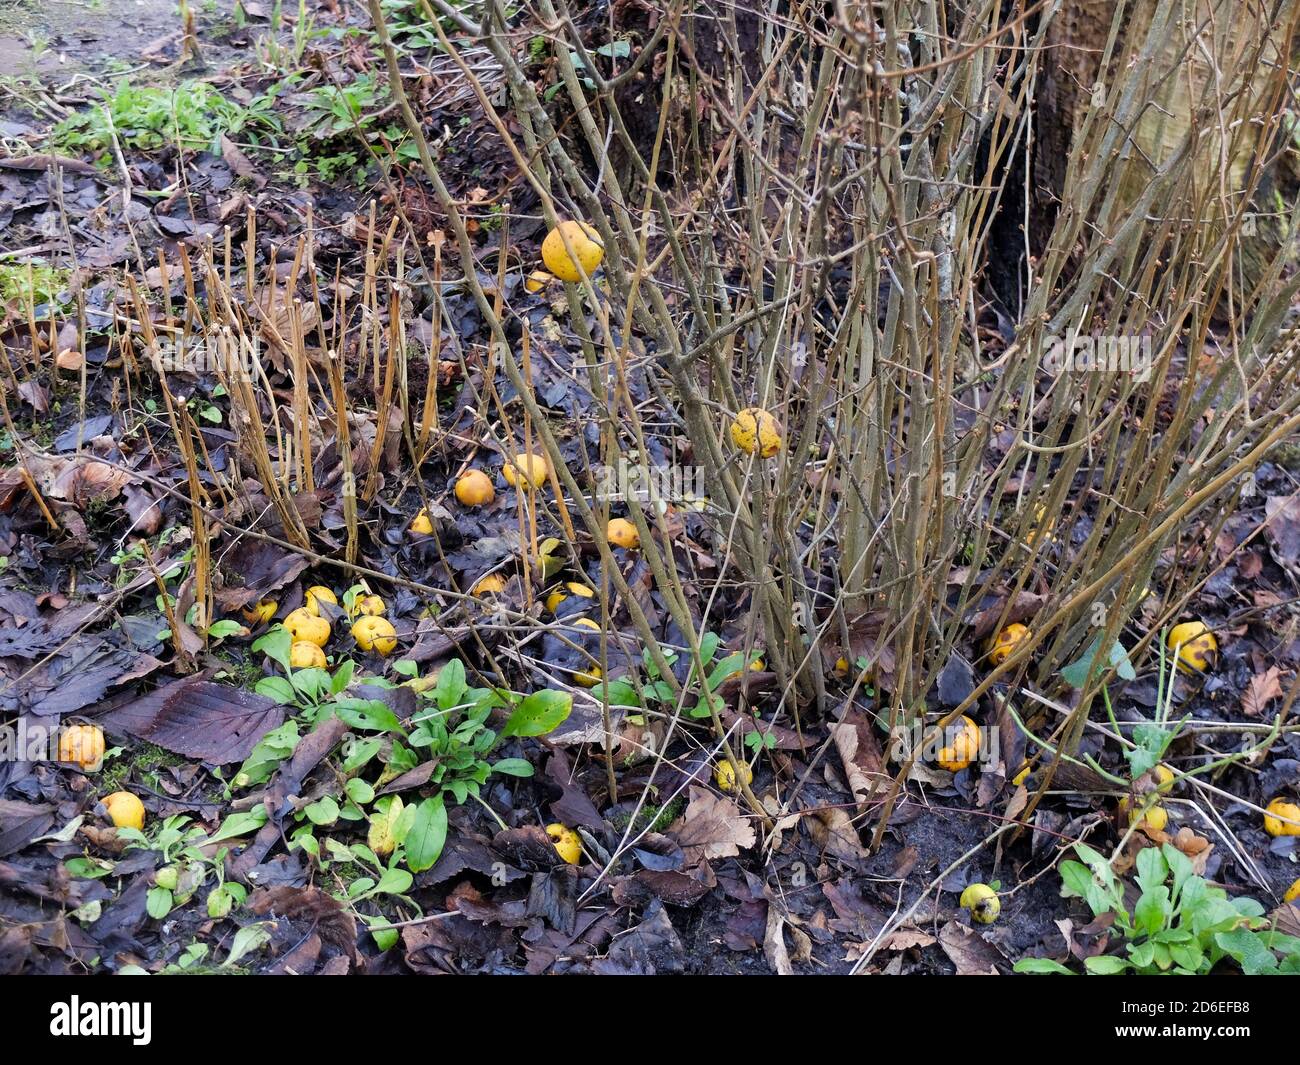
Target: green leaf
[1105, 965]
[451, 685]
[239, 824]
[276, 688]
[1152, 909]
[513, 767]
[325, 811]
[618, 692]
[275, 644]
[1090, 664]
[1042, 965]
[368, 714]
[1248, 950]
[539, 713]
[395, 882]
[219, 630]
[359, 791]
[428, 835]
[249, 938]
[158, 903]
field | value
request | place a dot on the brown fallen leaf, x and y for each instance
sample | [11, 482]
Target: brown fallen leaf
[713, 827]
[833, 831]
[859, 751]
[969, 951]
[1262, 689]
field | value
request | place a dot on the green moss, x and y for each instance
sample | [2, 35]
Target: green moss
[652, 817]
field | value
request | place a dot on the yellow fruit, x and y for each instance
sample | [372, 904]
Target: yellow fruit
[492, 584]
[1195, 646]
[260, 612]
[557, 597]
[566, 842]
[964, 748]
[82, 745]
[586, 623]
[589, 677]
[376, 634]
[756, 431]
[622, 533]
[370, 606]
[1278, 809]
[1156, 819]
[525, 467]
[318, 594]
[724, 775]
[304, 654]
[125, 810]
[1021, 776]
[1292, 893]
[1004, 644]
[585, 243]
[1164, 779]
[474, 488]
[983, 903]
[305, 626]
[537, 281]
[421, 525]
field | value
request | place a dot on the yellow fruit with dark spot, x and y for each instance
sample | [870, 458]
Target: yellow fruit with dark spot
[525, 467]
[375, 634]
[557, 597]
[1195, 646]
[586, 246]
[622, 533]
[1004, 644]
[756, 431]
[82, 745]
[1293, 892]
[537, 281]
[724, 775]
[260, 612]
[474, 488]
[1021, 776]
[125, 810]
[318, 594]
[983, 903]
[303, 655]
[566, 842]
[588, 677]
[1278, 809]
[421, 525]
[367, 606]
[492, 584]
[965, 746]
[305, 626]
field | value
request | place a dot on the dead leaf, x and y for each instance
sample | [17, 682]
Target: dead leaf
[1262, 689]
[713, 827]
[969, 951]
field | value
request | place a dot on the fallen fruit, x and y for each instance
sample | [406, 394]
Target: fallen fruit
[1195, 646]
[724, 775]
[492, 584]
[1164, 779]
[1293, 892]
[557, 597]
[1156, 819]
[525, 467]
[983, 903]
[303, 654]
[474, 489]
[566, 842]
[964, 747]
[125, 810]
[1004, 644]
[82, 745]
[1277, 809]
[756, 431]
[374, 633]
[306, 627]
[260, 612]
[622, 533]
[537, 281]
[585, 243]
[588, 677]
[586, 623]
[367, 606]
[167, 877]
[318, 594]
[421, 525]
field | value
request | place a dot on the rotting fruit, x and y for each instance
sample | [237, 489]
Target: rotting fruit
[305, 626]
[367, 606]
[304, 654]
[492, 584]
[983, 903]
[374, 633]
[1276, 810]
[756, 431]
[1195, 646]
[527, 467]
[316, 595]
[260, 612]
[537, 282]
[566, 842]
[474, 489]
[421, 525]
[1004, 644]
[724, 775]
[964, 747]
[558, 596]
[622, 533]
[82, 745]
[586, 246]
[124, 810]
